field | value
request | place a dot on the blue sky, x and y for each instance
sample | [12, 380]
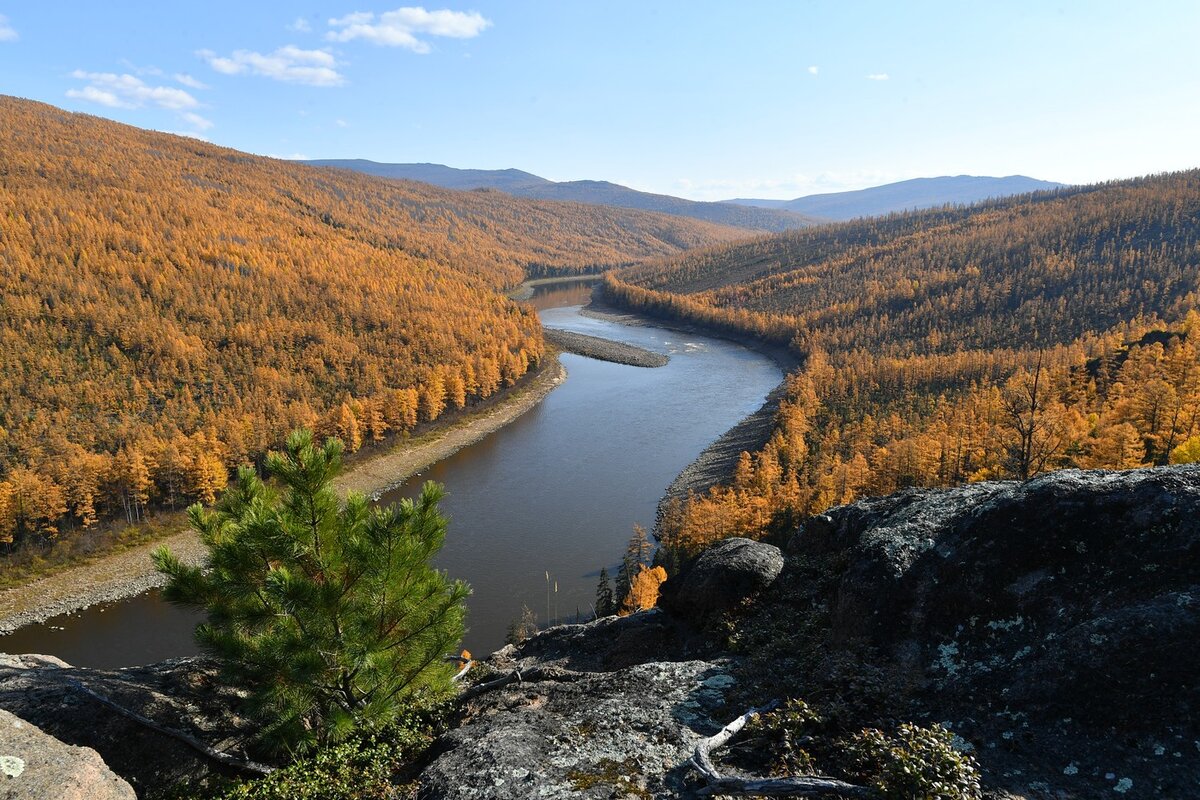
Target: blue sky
[707, 100]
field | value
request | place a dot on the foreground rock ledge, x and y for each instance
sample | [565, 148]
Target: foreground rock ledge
[182, 694]
[618, 715]
[36, 766]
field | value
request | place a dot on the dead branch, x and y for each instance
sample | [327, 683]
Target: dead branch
[192, 742]
[798, 786]
[534, 675]
[466, 667]
[701, 757]
[804, 786]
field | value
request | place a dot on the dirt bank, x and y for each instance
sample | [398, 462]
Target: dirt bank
[129, 572]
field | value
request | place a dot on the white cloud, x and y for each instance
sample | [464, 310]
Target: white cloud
[400, 28]
[188, 80]
[197, 121]
[290, 64]
[128, 91]
[813, 70]
[878, 76]
[7, 32]
[341, 123]
[300, 26]
[95, 95]
[189, 134]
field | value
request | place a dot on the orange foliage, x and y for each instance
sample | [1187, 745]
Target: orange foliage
[643, 590]
[951, 345]
[170, 309]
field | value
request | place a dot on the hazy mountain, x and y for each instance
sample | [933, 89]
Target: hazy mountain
[524, 184]
[506, 180]
[905, 196]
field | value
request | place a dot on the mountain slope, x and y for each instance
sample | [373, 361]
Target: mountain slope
[169, 308]
[1000, 340]
[990, 275]
[524, 184]
[908, 195]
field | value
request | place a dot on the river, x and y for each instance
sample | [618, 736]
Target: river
[555, 493]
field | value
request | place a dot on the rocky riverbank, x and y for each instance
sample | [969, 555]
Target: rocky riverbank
[604, 349]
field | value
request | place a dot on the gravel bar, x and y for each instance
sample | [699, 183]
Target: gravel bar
[603, 349]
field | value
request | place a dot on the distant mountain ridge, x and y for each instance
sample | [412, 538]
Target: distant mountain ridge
[910, 195]
[504, 180]
[524, 184]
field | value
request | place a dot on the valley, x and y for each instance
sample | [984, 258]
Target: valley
[332, 472]
[550, 482]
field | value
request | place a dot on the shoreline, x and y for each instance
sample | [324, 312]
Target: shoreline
[716, 463]
[129, 572]
[526, 289]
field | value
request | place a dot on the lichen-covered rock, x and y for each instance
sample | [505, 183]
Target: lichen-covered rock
[622, 705]
[726, 574]
[1052, 622]
[617, 734]
[36, 766]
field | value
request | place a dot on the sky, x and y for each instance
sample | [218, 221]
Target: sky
[699, 99]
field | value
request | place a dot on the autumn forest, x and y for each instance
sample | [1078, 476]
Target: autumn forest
[171, 309]
[961, 344]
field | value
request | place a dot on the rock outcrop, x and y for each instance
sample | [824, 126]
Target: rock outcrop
[36, 766]
[1050, 624]
[614, 710]
[182, 694]
[725, 575]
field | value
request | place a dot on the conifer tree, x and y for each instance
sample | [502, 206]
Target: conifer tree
[328, 612]
[604, 595]
[638, 553]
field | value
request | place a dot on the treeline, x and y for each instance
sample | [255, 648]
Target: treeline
[170, 309]
[956, 345]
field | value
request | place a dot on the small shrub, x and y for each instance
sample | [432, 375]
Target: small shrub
[915, 763]
[787, 731]
[367, 766]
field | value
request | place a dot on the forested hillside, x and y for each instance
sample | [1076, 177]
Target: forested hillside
[169, 309]
[999, 340]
